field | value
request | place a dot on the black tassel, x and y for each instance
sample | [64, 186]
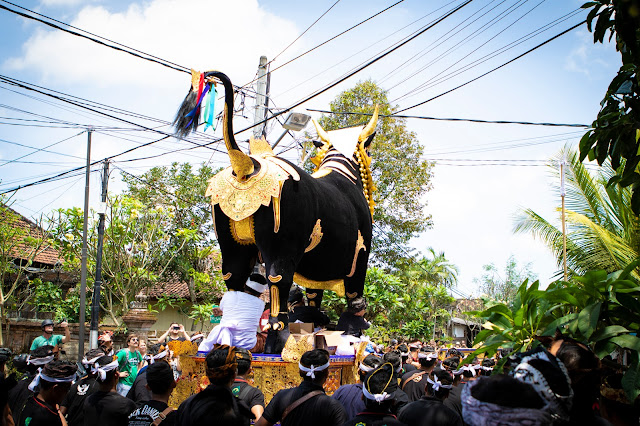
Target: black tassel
[183, 124]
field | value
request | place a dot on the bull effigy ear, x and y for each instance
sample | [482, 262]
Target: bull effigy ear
[322, 134]
[369, 128]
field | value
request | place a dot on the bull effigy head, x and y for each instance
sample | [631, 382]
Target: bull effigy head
[357, 149]
[188, 116]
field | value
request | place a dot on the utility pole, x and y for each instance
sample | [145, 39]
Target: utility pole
[95, 304]
[83, 264]
[564, 230]
[261, 99]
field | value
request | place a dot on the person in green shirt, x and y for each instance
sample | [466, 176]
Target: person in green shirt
[48, 338]
[129, 361]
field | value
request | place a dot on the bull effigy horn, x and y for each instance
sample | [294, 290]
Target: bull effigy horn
[322, 134]
[240, 162]
[369, 128]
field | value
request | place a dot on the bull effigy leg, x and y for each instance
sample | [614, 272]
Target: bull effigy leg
[279, 286]
[314, 297]
[237, 259]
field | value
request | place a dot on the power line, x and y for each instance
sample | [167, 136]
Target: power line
[304, 32]
[39, 149]
[470, 120]
[495, 69]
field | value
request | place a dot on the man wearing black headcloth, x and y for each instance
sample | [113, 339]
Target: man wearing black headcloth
[429, 410]
[414, 382]
[298, 311]
[53, 382]
[156, 410]
[350, 396]
[139, 391]
[352, 320]
[251, 396]
[20, 393]
[216, 404]
[306, 404]
[378, 390]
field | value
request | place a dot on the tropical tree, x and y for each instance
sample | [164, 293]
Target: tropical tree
[614, 133]
[433, 269]
[190, 251]
[134, 238]
[503, 287]
[602, 230]
[401, 175]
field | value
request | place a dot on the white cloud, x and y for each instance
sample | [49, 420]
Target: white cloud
[57, 3]
[192, 33]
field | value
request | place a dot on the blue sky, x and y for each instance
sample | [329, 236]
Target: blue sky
[472, 203]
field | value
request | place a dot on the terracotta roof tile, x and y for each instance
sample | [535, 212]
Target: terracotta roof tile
[45, 253]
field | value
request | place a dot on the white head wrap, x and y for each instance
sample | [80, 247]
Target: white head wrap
[312, 369]
[40, 361]
[41, 376]
[468, 367]
[153, 358]
[365, 368]
[102, 370]
[89, 362]
[253, 285]
[378, 397]
[429, 356]
[437, 384]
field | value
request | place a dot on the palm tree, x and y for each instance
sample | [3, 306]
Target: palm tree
[602, 230]
[435, 270]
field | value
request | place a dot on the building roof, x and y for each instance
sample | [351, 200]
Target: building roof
[45, 254]
[169, 286]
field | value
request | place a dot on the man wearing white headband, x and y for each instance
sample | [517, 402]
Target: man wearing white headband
[241, 313]
[350, 396]
[53, 382]
[19, 394]
[106, 407]
[414, 382]
[306, 404]
[139, 391]
[429, 409]
[71, 406]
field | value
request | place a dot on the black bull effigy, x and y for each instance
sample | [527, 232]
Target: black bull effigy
[312, 229]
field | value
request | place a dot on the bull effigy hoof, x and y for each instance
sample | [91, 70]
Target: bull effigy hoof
[275, 341]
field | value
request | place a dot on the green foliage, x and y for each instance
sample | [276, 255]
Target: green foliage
[602, 230]
[597, 308]
[47, 297]
[400, 174]
[614, 134]
[396, 307]
[504, 288]
[189, 253]
[201, 313]
[135, 238]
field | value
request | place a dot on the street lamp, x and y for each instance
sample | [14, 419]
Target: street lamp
[295, 121]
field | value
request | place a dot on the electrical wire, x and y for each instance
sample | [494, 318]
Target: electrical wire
[494, 69]
[469, 120]
[304, 32]
[39, 149]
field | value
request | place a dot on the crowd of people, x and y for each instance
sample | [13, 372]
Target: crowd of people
[402, 384]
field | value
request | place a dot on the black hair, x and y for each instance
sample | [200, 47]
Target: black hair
[487, 363]
[315, 357]
[370, 360]
[222, 364]
[259, 278]
[451, 363]
[94, 353]
[403, 348]
[356, 305]
[102, 361]
[295, 295]
[427, 363]
[20, 363]
[57, 369]
[394, 358]
[443, 377]
[5, 355]
[42, 351]
[506, 391]
[584, 371]
[155, 349]
[160, 377]
[382, 379]
[244, 361]
[454, 352]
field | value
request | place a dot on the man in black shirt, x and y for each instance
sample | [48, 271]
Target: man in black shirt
[413, 383]
[156, 411]
[139, 390]
[106, 407]
[352, 320]
[54, 382]
[350, 396]
[20, 393]
[306, 404]
[72, 405]
[216, 404]
[378, 391]
[429, 410]
[251, 396]
[298, 311]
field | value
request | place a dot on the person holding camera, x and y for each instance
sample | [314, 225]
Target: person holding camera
[48, 338]
[175, 332]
